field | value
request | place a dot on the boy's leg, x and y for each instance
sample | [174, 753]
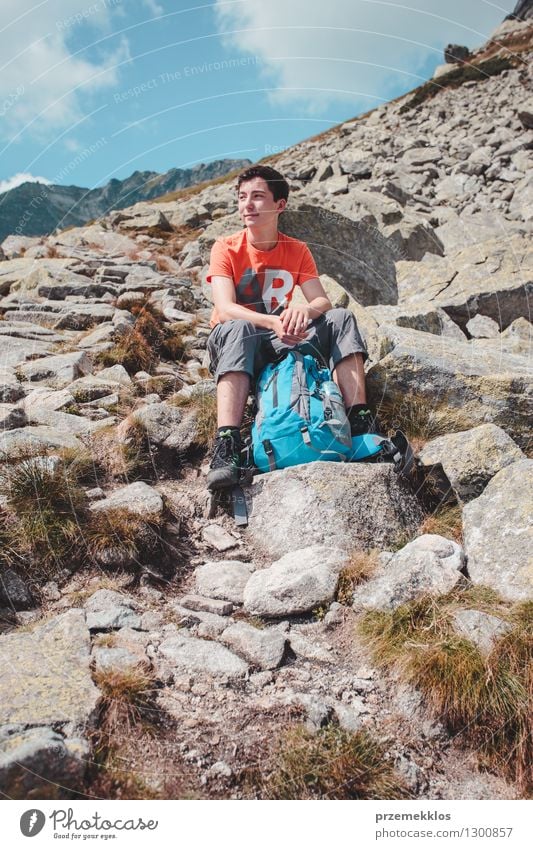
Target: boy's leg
[234, 348]
[233, 389]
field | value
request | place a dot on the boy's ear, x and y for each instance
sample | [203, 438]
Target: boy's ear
[282, 203]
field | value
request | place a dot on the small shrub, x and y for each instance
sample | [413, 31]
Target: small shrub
[330, 764]
[485, 699]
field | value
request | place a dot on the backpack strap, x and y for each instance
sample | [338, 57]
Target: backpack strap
[269, 451]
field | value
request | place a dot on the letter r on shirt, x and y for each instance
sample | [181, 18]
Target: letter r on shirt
[277, 285]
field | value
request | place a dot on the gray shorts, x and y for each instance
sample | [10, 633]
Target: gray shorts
[238, 345]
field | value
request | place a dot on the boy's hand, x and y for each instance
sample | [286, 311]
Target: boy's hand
[295, 319]
[286, 337]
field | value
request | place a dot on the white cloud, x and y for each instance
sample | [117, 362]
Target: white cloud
[154, 7]
[18, 179]
[42, 81]
[355, 50]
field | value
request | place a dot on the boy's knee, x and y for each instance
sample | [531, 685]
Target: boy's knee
[340, 317]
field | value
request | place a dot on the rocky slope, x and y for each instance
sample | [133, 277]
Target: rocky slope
[35, 209]
[122, 591]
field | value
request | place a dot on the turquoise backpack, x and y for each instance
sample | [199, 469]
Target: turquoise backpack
[301, 417]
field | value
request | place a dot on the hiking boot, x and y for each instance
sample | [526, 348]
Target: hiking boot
[225, 470]
[363, 421]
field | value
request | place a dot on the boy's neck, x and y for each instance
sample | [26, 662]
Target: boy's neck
[263, 240]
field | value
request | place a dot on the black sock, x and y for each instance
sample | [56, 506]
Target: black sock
[353, 411]
[235, 431]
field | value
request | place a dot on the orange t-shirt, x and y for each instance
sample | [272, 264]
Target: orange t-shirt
[263, 279]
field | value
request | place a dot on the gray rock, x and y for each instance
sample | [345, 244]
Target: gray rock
[263, 648]
[525, 114]
[483, 327]
[498, 533]
[494, 280]
[480, 628]
[208, 624]
[189, 654]
[58, 370]
[347, 506]
[461, 385]
[43, 398]
[304, 647]
[297, 583]
[471, 458]
[47, 680]
[13, 590]
[139, 498]
[412, 239]
[427, 319]
[11, 417]
[217, 537]
[165, 425]
[10, 389]
[119, 659]
[109, 609]
[223, 579]
[428, 564]
[38, 763]
[421, 156]
[36, 441]
[208, 605]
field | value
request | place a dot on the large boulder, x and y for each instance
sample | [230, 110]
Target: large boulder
[471, 458]
[297, 583]
[347, 506]
[494, 279]
[428, 564]
[57, 371]
[458, 384]
[498, 533]
[48, 705]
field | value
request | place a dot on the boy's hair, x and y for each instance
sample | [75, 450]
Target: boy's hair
[275, 181]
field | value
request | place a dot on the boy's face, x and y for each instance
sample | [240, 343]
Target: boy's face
[257, 207]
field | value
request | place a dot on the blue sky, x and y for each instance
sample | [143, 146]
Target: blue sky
[95, 89]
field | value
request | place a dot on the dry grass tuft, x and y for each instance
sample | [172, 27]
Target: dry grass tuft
[447, 521]
[361, 567]
[150, 338]
[330, 764]
[127, 711]
[120, 538]
[485, 699]
[417, 418]
[205, 406]
[47, 506]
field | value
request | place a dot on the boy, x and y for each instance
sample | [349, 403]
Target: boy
[253, 274]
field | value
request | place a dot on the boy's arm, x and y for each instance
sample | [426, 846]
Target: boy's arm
[227, 308]
[297, 316]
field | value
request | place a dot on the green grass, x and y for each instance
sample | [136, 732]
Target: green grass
[484, 699]
[329, 764]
